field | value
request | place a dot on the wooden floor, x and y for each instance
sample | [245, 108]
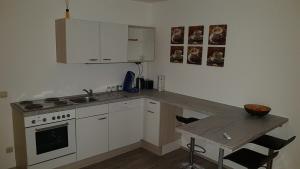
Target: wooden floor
[142, 159]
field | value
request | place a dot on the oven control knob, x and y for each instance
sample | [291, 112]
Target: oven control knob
[33, 121]
[53, 118]
[58, 117]
[44, 119]
[63, 116]
[68, 115]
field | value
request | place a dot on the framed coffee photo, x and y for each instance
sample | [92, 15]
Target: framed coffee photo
[215, 56]
[176, 54]
[196, 35]
[177, 35]
[194, 55]
[217, 35]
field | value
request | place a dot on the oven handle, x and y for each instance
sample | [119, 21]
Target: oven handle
[52, 127]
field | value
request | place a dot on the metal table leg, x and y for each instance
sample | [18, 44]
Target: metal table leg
[270, 163]
[221, 156]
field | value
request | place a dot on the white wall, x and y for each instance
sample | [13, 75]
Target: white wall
[28, 67]
[261, 62]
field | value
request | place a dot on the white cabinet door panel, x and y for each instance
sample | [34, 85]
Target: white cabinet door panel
[125, 123]
[151, 126]
[114, 38]
[92, 136]
[82, 41]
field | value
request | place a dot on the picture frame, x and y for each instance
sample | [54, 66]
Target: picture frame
[194, 55]
[216, 56]
[176, 54]
[196, 34]
[217, 35]
[177, 35]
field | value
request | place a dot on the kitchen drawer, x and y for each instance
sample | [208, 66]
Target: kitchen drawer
[125, 105]
[152, 105]
[91, 111]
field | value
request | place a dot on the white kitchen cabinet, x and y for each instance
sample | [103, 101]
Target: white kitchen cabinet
[77, 41]
[125, 123]
[141, 44]
[113, 42]
[152, 122]
[91, 132]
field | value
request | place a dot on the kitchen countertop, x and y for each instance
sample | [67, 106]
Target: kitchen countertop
[235, 121]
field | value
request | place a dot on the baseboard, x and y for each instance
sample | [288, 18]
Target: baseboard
[161, 150]
[101, 157]
[152, 148]
[171, 147]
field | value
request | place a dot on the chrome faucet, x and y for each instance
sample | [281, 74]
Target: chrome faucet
[89, 92]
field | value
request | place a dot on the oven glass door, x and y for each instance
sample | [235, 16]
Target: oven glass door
[51, 138]
[50, 141]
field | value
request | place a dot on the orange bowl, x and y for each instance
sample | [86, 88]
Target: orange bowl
[257, 110]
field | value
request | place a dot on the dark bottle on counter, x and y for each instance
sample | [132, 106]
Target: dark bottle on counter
[140, 80]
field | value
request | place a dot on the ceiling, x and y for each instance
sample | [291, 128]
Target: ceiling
[150, 1]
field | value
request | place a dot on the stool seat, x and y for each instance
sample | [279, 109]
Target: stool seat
[272, 143]
[250, 159]
[186, 120]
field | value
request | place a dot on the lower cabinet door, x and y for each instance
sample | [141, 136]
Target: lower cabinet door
[92, 136]
[125, 128]
[151, 127]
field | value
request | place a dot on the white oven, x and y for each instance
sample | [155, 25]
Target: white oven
[50, 136]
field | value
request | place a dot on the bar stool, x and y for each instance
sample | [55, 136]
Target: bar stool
[191, 145]
[273, 144]
[250, 159]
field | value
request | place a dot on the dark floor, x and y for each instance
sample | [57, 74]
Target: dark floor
[142, 159]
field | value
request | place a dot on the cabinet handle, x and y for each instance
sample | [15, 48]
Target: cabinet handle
[107, 59]
[133, 40]
[152, 103]
[151, 112]
[102, 118]
[93, 60]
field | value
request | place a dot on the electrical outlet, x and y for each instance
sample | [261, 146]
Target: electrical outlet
[9, 150]
[3, 94]
[108, 89]
[114, 88]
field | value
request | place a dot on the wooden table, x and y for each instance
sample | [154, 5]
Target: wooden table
[241, 131]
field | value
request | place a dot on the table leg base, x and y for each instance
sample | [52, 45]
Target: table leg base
[190, 166]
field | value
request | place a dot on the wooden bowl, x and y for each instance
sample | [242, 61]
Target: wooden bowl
[257, 110]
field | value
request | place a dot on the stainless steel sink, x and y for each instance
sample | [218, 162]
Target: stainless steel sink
[83, 99]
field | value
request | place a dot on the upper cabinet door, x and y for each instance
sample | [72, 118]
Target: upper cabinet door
[113, 42]
[77, 41]
[82, 41]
